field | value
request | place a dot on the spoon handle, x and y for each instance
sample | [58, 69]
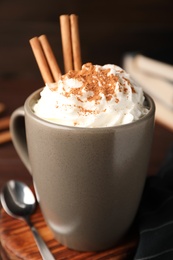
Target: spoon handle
[44, 250]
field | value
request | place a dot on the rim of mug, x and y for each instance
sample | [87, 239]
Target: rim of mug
[31, 100]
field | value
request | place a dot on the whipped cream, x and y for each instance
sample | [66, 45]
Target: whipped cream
[95, 96]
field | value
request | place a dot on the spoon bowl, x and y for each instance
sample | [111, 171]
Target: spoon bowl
[19, 202]
[17, 199]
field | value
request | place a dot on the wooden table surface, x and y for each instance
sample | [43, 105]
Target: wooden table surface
[13, 93]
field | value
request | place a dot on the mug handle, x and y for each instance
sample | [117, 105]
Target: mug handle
[18, 134]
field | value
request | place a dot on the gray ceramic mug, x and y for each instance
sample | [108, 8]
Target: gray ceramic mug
[88, 181]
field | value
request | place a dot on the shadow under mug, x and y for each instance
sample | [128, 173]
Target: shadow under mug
[88, 181]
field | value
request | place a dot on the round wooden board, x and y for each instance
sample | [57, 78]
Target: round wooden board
[17, 242]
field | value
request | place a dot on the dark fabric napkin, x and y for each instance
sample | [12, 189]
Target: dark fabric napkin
[155, 216]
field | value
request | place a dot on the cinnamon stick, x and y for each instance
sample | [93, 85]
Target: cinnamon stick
[2, 107]
[41, 60]
[66, 42]
[75, 42]
[4, 123]
[51, 60]
[5, 137]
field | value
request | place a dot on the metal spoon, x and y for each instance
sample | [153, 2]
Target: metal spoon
[18, 201]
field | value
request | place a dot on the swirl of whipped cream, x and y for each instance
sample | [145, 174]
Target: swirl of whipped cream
[95, 96]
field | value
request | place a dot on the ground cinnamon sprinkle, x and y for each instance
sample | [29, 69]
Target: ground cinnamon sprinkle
[97, 83]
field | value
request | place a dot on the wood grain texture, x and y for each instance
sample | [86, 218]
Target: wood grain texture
[17, 242]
